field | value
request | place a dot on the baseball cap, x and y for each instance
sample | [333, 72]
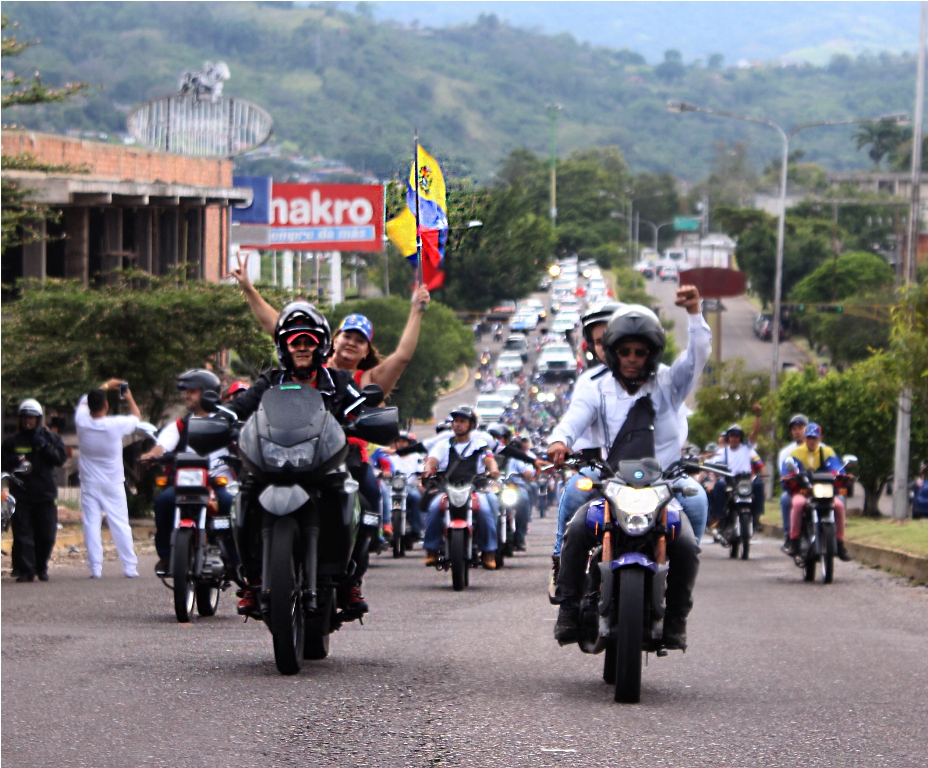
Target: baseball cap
[358, 323]
[813, 430]
[290, 338]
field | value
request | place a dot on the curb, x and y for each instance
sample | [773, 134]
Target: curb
[909, 565]
[457, 387]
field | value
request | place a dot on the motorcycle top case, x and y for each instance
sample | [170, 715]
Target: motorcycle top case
[292, 432]
[206, 435]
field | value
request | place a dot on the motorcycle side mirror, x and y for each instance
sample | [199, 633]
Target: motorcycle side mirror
[373, 395]
[147, 428]
[849, 458]
[24, 468]
[209, 401]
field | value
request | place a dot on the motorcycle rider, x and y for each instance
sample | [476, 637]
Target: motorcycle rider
[472, 456]
[636, 412]
[814, 455]
[797, 430]
[173, 437]
[521, 473]
[741, 458]
[408, 464]
[303, 340]
[35, 523]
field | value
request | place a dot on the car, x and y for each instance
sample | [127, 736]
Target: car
[565, 322]
[502, 311]
[670, 273]
[520, 323]
[763, 327]
[646, 268]
[517, 343]
[510, 392]
[555, 362]
[490, 408]
[509, 362]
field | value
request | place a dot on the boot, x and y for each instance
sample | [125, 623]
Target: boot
[793, 549]
[785, 548]
[843, 553]
[489, 560]
[356, 601]
[431, 557]
[674, 634]
[567, 628]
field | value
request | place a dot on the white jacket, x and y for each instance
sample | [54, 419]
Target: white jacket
[601, 404]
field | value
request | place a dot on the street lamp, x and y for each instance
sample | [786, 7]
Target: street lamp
[553, 109]
[656, 228]
[682, 106]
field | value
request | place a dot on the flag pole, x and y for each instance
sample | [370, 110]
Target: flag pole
[415, 161]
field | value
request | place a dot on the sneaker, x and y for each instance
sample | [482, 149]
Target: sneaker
[25, 578]
[489, 560]
[96, 574]
[843, 553]
[519, 546]
[431, 557]
[785, 548]
[387, 530]
[161, 568]
[674, 634]
[567, 628]
[133, 574]
[42, 575]
[356, 601]
[248, 604]
[793, 549]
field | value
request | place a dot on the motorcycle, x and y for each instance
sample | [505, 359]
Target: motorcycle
[459, 503]
[204, 559]
[737, 526]
[622, 609]
[310, 513]
[508, 492]
[818, 540]
[399, 490]
[8, 482]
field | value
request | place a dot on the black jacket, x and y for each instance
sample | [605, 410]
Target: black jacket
[338, 390]
[42, 483]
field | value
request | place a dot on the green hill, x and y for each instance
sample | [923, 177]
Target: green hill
[344, 86]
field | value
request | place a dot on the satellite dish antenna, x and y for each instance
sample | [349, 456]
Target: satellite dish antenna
[198, 120]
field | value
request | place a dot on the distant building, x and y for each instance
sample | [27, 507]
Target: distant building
[133, 207]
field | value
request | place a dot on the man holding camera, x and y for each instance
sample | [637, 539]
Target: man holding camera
[103, 479]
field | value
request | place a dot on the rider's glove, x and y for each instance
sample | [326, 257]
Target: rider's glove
[39, 441]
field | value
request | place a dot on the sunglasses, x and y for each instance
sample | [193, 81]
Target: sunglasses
[641, 354]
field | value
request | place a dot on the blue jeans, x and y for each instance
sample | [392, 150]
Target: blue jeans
[164, 517]
[786, 506]
[695, 507]
[485, 523]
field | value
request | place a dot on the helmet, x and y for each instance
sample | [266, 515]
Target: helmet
[235, 387]
[499, 430]
[404, 435]
[710, 447]
[813, 430]
[799, 418]
[466, 412]
[297, 317]
[199, 378]
[600, 315]
[735, 429]
[30, 407]
[634, 322]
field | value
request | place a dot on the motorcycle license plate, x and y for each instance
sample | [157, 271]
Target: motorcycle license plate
[370, 519]
[222, 523]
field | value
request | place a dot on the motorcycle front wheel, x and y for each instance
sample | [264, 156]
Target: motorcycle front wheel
[459, 558]
[286, 574]
[829, 551]
[399, 540]
[629, 630]
[746, 526]
[182, 574]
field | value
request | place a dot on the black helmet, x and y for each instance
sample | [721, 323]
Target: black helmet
[465, 411]
[799, 418]
[734, 429]
[500, 430]
[598, 315]
[199, 378]
[634, 322]
[297, 317]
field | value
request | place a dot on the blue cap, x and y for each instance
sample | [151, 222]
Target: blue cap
[358, 323]
[813, 430]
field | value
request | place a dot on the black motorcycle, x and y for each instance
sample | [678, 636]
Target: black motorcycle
[399, 493]
[11, 483]
[622, 608]
[737, 525]
[294, 451]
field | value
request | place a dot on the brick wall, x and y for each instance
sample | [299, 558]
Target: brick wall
[118, 162]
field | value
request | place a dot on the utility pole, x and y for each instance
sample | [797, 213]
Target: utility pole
[553, 109]
[904, 409]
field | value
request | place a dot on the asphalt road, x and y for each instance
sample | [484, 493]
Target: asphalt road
[778, 673]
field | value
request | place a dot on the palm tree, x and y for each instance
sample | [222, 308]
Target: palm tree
[882, 136]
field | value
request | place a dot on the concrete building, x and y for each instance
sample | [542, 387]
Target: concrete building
[129, 207]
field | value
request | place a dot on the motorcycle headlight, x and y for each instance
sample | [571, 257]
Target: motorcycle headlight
[509, 496]
[398, 483]
[458, 496]
[299, 455]
[190, 477]
[636, 508]
[744, 488]
[823, 490]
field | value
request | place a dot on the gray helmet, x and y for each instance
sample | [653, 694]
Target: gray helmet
[634, 322]
[799, 418]
[302, 317]
[30, 407]
[199, 378]
[498, 430]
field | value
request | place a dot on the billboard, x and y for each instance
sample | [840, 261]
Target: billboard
[259, 212]
[326, 217]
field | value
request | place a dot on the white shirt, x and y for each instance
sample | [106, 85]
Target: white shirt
[602, 405]
[411, 462]
[784, 455]
[169, 438]
[738, 459]
[475, 443]
[585, 440]
[100, 444]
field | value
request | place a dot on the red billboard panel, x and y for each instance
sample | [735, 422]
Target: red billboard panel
[715, 282]
[326, 217]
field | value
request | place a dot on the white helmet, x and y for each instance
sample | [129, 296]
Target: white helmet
[30, 407]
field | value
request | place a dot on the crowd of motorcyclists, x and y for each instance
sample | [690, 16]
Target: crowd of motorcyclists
[572, 447]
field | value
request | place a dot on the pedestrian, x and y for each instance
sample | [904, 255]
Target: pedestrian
[35, 523]
[103, 489]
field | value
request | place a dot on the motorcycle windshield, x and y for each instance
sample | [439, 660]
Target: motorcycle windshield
[291, 430]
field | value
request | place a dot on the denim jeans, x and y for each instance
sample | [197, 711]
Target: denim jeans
[485, 522]
[696, 507]
[571, 500]
[164, 517]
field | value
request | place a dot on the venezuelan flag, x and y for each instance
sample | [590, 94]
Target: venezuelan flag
[433, 211]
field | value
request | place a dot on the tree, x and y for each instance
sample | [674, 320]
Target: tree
[445, 344]
[671, 68]
[22, 217]
[882, 136]
[856, 409]
[720, 405]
